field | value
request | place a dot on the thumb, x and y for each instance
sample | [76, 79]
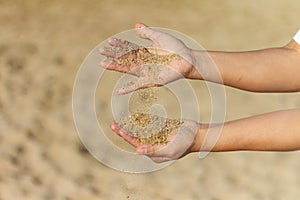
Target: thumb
[145, 32]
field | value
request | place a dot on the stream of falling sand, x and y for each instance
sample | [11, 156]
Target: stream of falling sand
[148, 128]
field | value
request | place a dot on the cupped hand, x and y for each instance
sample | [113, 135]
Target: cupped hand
[127, 57]
[179, 144]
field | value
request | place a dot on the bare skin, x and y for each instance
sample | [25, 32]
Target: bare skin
[266, 70]
[175, 70]
[180, 142]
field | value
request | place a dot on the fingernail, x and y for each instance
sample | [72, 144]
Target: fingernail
[101, 50]
[112, 39]
[113, 127]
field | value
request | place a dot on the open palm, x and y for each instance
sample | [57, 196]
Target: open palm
[180, 142]
[169, 54]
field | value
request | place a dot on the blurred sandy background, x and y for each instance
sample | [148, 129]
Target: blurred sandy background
[42, 44]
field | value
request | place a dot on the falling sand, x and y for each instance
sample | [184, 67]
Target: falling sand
[141, 123]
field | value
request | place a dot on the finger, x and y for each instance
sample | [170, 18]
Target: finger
[141, 83]
[115, 66]
[109, 64]
[115, 127]
[147, 149]
[107, 51]
[105, 63]
[159, 159]
[154, 151]
[124, 134]
[122, 43]
[151, 152]
[145, 32]
[130, 87]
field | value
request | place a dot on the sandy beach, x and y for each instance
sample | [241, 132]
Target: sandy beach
[42, 45]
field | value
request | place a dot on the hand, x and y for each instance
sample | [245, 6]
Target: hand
[180, 143]
[163, 45]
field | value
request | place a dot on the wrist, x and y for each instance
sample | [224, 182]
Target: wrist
[195, 61]
[199, 138]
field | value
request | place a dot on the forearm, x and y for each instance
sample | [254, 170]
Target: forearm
[267, 70]
[277, 131]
